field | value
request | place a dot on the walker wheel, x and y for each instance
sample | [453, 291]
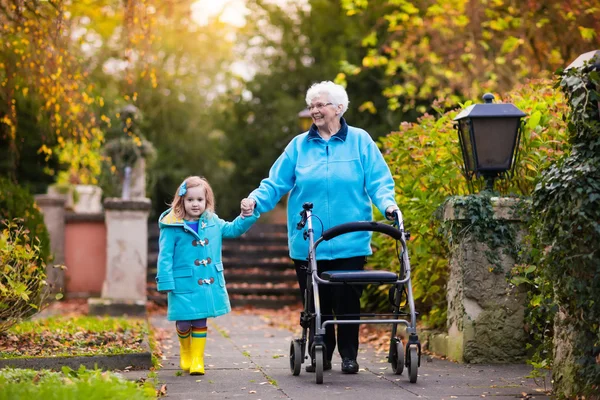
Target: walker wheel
[319, 358]
[295, 357]
[397, 356]
[412, 363]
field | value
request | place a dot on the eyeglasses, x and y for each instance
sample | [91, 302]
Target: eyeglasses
[320, 106]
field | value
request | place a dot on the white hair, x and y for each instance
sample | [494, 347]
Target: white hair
[336, 94]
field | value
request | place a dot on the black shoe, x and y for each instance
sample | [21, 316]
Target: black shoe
[349, 366]
[312, 367]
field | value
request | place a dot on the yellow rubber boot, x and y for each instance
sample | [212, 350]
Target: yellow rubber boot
[197, 351]
[185, 356]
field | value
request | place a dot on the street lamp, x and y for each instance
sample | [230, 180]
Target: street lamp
[304, 120]
[489, 138]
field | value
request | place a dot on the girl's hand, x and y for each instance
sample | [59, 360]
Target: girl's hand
[247, 207]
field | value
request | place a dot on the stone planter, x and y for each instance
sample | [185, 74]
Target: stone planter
[89, 199]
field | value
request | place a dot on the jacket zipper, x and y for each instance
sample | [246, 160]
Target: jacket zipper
[328, 205]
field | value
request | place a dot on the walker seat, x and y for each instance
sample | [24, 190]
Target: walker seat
[360, 276]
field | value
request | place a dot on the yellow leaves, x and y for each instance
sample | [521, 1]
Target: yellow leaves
[87, 99]
[6, 120]
[153, 78]
[105, 119]
[57, 74]
[340, 79]
[370, 40]
[75, 108]
[349, 69]
[45, 150]
[353, 7]
[368, 106]
[587, 34]
[371, 61]
[511, 44]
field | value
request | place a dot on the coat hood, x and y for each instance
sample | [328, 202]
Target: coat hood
[168, 218]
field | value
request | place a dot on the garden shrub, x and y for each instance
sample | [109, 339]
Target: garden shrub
[566, 227]
[22, 275]
[24, 251]
[426, 164]
[17, 202]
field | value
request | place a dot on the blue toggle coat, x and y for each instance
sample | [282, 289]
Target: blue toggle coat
[190, 264]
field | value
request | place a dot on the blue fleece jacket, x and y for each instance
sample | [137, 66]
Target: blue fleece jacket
[342, 177]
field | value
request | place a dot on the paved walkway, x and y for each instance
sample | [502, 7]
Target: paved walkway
[247, 359]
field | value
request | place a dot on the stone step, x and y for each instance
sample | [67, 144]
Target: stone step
[250, 275]
[271, 302]
[247, 244]
[258, 230]
[283, 289]
[258, 290]
[275, 264]
[256, 251]
[239, 298]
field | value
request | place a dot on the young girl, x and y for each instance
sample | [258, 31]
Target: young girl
[190, 267]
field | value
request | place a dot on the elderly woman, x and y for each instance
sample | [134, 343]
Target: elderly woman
[341, 171]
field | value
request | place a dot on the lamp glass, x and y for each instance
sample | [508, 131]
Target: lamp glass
[464, 130]
[495, 142]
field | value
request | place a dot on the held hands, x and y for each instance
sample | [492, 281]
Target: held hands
[247, 207]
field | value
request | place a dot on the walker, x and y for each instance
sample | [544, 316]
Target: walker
[398, 355]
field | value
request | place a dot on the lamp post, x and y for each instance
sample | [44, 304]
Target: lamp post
[304, 120]
[489, 138]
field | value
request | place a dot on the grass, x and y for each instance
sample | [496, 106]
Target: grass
[69, 384]
[75, 324]
[74, 336]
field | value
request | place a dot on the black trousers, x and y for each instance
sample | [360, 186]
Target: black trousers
[336, 300]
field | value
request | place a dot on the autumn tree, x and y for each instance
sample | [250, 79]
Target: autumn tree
[459, 49]
[42, 67]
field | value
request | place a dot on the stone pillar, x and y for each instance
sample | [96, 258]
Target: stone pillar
[53, 208]
[485, 313]
[124, 288]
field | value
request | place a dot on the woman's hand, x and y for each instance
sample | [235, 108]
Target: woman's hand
[390, 212]
[247, 207]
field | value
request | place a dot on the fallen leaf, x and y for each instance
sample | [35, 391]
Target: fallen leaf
[162, 391]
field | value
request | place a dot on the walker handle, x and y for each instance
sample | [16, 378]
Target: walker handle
[362, 226]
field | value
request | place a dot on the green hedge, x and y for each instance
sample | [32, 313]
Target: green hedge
[425, 160]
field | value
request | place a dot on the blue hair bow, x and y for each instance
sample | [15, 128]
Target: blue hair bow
[183, 189]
